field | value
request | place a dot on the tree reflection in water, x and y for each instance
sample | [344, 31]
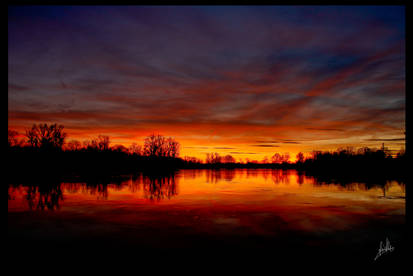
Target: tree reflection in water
[47, 194]
[157, 187]
[351, 183]
[216, 175]
[44, 197]
[281, 176]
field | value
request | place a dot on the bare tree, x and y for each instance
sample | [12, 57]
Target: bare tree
[158, 145]
[300, 157]
[280, 158]
[103, 142]
[213, 158]
[135, 149]
[316, 153]
[228, 159]
[44, 136]
[12, 138]
[90, 144]
[286, 157]
[153, 145]
[172, 148]
[276, 158]
[208, 158]
[87, 144]
[192, 159]
[73, 145]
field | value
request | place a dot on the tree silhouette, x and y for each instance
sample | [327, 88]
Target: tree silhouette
[103, 142]
[73, 145]
[159, 146]
[280, 158]
[172, 148]
[44, 136]
[300, 157]
[135, 149]
[12, 138]
[265, 160]
[194, 160]
[96, 157]
[228, 159]
[213, 158]
[153, 145]
[120, 148]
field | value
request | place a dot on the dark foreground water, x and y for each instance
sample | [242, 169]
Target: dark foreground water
[208, 216]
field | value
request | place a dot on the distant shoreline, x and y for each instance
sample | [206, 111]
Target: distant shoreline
[48, 161]
[338, 175]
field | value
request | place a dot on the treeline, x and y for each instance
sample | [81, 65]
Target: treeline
[352, 165]
[44, 150]
[52, 138]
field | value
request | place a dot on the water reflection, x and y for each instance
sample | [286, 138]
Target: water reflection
[216, 175]
[350, 183]
[157, 187]
[49, 194]
[44, 197]
[281, 176]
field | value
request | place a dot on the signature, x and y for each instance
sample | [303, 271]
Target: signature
[383, 249]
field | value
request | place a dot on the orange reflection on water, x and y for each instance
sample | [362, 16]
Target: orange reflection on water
[209, 211]
[241, 186]
[212, 200]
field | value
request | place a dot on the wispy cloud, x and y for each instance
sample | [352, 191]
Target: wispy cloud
[260, 77]
[388, 139]
[240, 152]
[266, 146]
[325, 129]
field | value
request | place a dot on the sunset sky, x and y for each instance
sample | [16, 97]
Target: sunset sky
[246, 81]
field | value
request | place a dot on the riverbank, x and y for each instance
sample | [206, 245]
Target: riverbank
[27, 162]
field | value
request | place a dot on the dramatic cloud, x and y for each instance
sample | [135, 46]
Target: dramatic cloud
[216, 78]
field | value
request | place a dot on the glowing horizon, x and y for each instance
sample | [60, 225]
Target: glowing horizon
[244, 81]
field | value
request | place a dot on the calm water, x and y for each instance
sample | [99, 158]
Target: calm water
[286, 193]
[241, 188]
[255, 208]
